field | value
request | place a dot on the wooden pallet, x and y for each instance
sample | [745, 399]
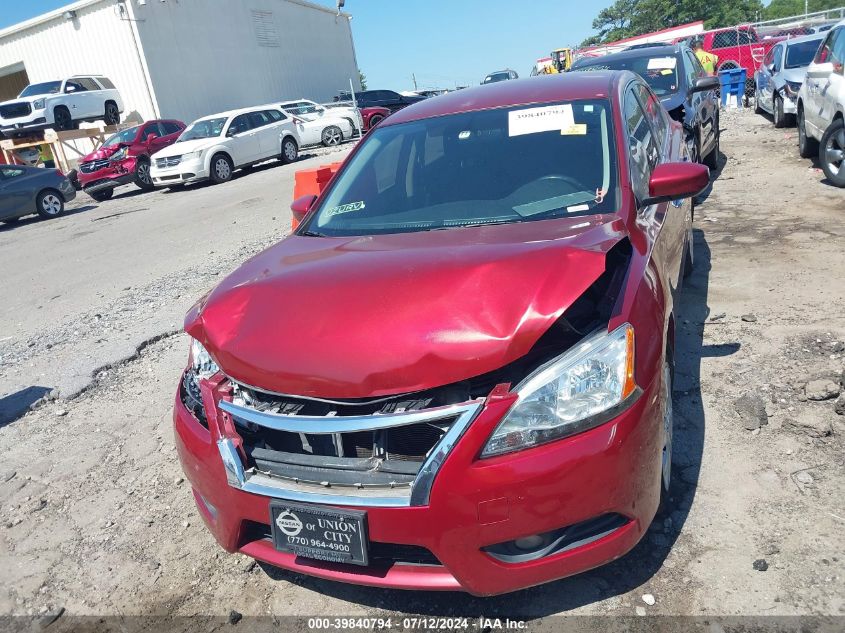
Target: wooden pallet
[59, 143]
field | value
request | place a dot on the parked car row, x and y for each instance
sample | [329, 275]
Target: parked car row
[803, 80]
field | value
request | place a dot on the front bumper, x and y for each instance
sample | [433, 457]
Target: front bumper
[110, 176]
[187, 171]
[36, 120]
[613, 468]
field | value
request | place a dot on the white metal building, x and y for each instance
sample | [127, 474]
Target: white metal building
[186, 58]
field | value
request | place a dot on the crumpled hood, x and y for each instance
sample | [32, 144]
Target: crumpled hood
[101, 153]
[380, 315]
[791, 74]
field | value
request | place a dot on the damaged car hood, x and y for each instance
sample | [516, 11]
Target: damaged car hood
[355, 317]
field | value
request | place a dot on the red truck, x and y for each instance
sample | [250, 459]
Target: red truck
[738, 47]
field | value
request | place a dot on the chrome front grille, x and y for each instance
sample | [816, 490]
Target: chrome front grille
[170, 161]
[343, 459]
[92, 166]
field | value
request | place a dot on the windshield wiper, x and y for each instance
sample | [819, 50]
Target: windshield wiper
[312, 234]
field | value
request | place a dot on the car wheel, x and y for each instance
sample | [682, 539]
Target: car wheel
[102, 195]
[142, 175]
[332, 136]
[668, 424]
[375, 120]
[712, 159]
[62, 118]
[49, 204]
[777, 112]
[807, 146]
[832, 153]
[112, 116]
[221, 168]
[289, 150]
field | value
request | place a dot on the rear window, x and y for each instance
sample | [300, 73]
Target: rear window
[659, 71]
[493, 78]
[801, 54]
[503, 165]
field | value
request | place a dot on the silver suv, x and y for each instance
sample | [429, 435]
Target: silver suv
[821, 107]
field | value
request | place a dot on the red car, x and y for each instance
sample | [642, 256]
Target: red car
[456, 374]
[125, 158]
[372, 116]
[738, 47]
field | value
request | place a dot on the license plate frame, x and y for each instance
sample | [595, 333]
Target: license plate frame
[303, 525]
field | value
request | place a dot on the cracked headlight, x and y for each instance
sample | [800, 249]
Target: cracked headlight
[202, 364]
[39, 104]
[572, 393]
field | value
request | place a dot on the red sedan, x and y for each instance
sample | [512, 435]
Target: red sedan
[373, 115]
[125, 158]
[456, 374]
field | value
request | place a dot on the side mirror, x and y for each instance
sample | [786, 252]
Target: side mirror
[702, 84]
[300, 208]
[69, 89]
[672, 181]
[151, 138]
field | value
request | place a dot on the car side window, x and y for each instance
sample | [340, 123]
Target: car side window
[153, 128]
[777, 52]
[275, 115]
[106, 83]
[240, 124]
[838, 52]
[641, 143]
[690, 69]
[826, 50]
[170, 128]
[744, 37]
[654, 113]
[724, 39]
[258, 119]
[74, 86]
[11, 172]
[88, 83]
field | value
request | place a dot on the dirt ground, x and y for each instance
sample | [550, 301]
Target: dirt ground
[97, 519]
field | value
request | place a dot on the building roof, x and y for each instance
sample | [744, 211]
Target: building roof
[503, 94]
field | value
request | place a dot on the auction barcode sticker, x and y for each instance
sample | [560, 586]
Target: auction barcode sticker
[542, 119]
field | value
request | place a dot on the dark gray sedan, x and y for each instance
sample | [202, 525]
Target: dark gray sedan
[25, 190]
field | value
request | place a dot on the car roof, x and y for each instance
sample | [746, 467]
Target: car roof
[534, 90]
[634, 53]
[231, 113]
[804, 38]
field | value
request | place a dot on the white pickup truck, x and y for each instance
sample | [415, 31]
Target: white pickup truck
[61, 105]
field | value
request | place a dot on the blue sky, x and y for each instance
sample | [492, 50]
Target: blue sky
[443, 42]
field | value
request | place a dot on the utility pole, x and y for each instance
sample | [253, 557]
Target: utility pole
[806, 2]
[414, 77]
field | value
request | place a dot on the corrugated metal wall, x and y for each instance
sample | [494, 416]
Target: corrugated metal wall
[206, 56]
[98, 41]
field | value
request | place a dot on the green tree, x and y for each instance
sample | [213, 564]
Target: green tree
[362, 79]
[787, 8]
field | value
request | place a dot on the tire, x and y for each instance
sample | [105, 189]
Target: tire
[777, 112]
[102, 195]
[808, 147]
[712, 159]
[689, 256]
[49, 203]
[668, 426]
[331, 136]
[63, 119]
[832, 153]
[73, 176]
[142, 175]
[112, 115]
[375, 120]
[221, 168]
[290, 150]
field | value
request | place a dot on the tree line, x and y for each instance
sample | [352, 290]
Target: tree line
[629, 18]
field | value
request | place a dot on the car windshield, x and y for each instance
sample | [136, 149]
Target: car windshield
[124, 136]
[490, 79]
[497, 166]
[47, 88]
[801, 54]
[204, 128]
[659, 71]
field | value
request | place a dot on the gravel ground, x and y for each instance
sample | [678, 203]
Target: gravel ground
[98, 520]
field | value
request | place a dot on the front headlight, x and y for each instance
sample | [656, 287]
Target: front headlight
[569, 394]
[119, 155]
[192, 155]
[202, 364]
[38, 104]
